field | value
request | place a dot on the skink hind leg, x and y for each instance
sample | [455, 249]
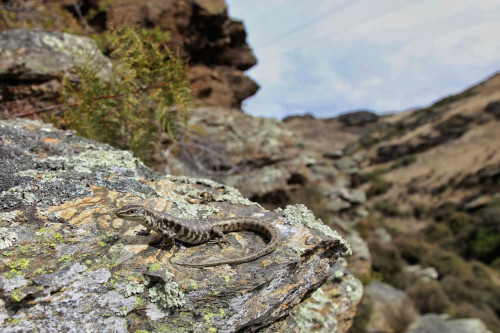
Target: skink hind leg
[218, 237]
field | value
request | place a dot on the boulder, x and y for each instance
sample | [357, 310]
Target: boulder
[32, 63]
[391, 309]
[69, 264]
[430, 323]
[424, 274]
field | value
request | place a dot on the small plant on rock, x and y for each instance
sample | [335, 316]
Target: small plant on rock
[146, 95]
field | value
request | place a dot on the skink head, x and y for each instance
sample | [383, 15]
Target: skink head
[132, 212]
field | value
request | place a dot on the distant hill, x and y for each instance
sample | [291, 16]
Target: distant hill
[432, 177]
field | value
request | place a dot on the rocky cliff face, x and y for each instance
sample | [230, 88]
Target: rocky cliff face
[68, 264]
[201, 32]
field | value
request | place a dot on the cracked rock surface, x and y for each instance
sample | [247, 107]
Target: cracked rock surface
[68, 264]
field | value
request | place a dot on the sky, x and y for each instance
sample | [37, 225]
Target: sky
[328, 57]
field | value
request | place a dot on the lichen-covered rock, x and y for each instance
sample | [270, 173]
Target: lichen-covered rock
[257, 157]
[75, 267]
[32, 62]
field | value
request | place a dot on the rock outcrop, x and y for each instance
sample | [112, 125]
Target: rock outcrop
[430, 323]
[214, 44]
[201, 32]
[68, 264]
[33, 63]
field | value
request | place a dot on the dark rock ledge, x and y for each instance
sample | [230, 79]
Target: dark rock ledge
[68, 265]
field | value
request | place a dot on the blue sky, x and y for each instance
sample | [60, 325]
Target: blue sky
[331, 56]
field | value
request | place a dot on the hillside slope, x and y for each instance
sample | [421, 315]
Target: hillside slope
[432, 176]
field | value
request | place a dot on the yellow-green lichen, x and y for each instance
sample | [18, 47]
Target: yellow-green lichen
[16, 296]
[225, 277]
[22, 263]
[25, 249]
[210, 314]
[58, 237]
[112, 283]
[155, 267]
[65, 258]
[12, 321]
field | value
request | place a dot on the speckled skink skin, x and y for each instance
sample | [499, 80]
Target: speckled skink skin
[200, 231]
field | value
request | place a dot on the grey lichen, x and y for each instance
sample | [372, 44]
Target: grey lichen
[7, 238]
[7, 216]
[309, 314]
[92, 158]
[186, 210]
[301, 214]
[167, 295]
[133, 288]
[231, 194]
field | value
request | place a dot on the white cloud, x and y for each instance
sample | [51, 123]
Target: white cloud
[329, 56]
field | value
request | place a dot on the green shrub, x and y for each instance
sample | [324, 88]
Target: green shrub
[146, 95]
[439, 232]
[453, 98]
[387, 208]
[363, 315]
[486, 242]
[378, 186]
[454, 126]
[386, 259]
[368, 140]
[447, 263]
[412, 248]
[404, 162]
[372, 175]
[463, 225]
